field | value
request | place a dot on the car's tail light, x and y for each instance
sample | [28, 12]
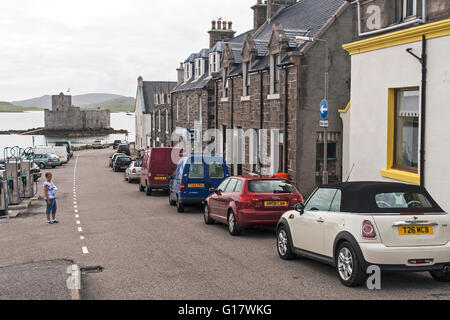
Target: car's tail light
[149, 174]
[296, 199]
[368, 231]
[246, 202]
[134, 171]
[182, 186]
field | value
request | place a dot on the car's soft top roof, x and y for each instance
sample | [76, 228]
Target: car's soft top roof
[360, 196]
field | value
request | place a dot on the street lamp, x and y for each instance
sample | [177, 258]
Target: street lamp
[305, 39]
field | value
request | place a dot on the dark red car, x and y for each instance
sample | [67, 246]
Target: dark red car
[245, 202]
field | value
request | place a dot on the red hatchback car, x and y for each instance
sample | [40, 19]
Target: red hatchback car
[245, 202]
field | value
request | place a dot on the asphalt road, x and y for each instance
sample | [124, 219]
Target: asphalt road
[149, 251]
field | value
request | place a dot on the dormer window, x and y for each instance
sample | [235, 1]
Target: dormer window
[198, 68]
[188, 71]
[214, 62]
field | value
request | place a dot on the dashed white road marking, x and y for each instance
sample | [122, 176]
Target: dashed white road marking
[77, 216]
[85, 250]
[78, 222]
[76, 211]
[80, 229]
[82, 238]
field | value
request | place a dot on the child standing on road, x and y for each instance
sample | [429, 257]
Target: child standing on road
[50, 198]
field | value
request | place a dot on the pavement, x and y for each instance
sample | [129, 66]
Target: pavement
[131, 246]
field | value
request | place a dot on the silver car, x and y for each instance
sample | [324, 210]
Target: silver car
[133, 172]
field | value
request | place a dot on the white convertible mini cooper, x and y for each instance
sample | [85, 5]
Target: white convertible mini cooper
[352, 226]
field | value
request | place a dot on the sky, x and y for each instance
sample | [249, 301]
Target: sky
[102, 46]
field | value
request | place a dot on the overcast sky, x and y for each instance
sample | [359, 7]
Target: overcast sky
[102, 46]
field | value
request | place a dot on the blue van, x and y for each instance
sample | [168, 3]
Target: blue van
[193, 179]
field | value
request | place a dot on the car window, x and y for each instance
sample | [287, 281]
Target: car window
[196, 171]
[336, 205]
[216, 171]
[230, 187]
[223, 185]
[238, 187]
[270, 186]
[321, 200]
[402, 200]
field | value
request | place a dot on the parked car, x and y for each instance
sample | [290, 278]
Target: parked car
[66, 144]
[194, 178]
[121, 163]
[133, 172]
[124, 148]
[99, 144]
[157, 169]
[117, 143]
[352, 226]
[61, 152]
[46, 160]
[245, 202]
[113, 158]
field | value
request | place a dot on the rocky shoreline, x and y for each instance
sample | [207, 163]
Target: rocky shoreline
[64, 133]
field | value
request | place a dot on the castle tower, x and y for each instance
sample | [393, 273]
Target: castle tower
[61, 102]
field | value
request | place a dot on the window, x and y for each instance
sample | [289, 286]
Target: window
[196, 171]
[270, 186]
[178, 108]
[246, 79]
[336, 205]
[321, 200]
[198, 68]
[407, 114]
[230, 187]
[216, 171]
[167, 121]
[409, 8]
[238, 187]
[402, 200]
[275, 73]
[225, 82]
[223, 185]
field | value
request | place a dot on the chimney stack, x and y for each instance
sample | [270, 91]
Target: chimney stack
[273, 6]
[223, 32]
[180, 74]
[259, 14]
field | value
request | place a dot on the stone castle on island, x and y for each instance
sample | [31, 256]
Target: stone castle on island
[64, 116]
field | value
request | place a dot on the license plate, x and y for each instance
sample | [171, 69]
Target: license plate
[415, 230]
[123, 167]
[196, 185]
[160, 178]
[275, 204]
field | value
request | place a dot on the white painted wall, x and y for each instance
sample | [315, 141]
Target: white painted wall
[373, 73]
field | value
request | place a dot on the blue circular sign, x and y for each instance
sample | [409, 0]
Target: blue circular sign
[324, 109]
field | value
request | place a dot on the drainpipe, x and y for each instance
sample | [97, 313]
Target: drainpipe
[261, 117]
[286, 123]
[232, 122]
[423, 62]
[423, 111]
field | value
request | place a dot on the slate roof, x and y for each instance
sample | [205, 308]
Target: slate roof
[150, 88]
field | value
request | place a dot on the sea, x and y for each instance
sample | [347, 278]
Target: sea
[35, 119]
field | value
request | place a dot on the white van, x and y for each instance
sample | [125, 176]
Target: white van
[61, 152]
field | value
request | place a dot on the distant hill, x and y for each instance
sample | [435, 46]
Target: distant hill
[9, 107]
[114, 102]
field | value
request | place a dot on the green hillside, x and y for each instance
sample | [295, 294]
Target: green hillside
[120, 108]
[8, 107]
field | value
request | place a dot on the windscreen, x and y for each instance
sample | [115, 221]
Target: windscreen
[270, 186]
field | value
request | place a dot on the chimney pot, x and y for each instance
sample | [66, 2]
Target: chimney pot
[219, 25]
[230, 25]
[224, 25]
[214, 25]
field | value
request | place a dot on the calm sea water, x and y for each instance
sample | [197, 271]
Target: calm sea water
[35, 119]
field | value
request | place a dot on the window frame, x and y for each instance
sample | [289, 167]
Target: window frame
[395, 145]
[405, 13]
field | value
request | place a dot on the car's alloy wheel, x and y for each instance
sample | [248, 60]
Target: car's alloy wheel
[206, 215]
[348, 266]
[233, 227]
[42, 166]
[284, 245]
[345, 264]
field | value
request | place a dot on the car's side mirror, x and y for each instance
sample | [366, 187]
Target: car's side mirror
[300, 207]
[212, 190]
